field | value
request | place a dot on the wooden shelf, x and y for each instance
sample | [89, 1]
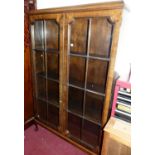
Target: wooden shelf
[87, 90]
[95, 88]
[53, 102]
[38, 49]
[79, 84]
[84, 117]
[75, 109]
[49, 76]
[96, 57]
[51, 50]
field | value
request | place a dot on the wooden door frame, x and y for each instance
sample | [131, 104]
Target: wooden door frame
[114, 17]
[59, 19]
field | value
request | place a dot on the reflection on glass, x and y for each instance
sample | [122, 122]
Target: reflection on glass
[41, 110]
[53, 65]
[45, 40]
[53, 92]
[78, 41]
[74, 125]
[90, 133]
[52, 35]
[38, 60]
[93, 107]
[97, 73]
[41, 88]
[75, 103]
[100, 41]
[77, 71]
[53, 115]
[38, 34]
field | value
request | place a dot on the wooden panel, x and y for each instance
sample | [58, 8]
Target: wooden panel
[100, 40]
[119, 130]
[117, 138]
[28, 97]
[28, 100]
[115, 148]
[87, 7]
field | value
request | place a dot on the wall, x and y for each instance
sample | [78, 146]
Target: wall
[123, 59]
[58, 3]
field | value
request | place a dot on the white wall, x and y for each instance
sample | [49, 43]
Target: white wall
[123, 59]
[58, 3]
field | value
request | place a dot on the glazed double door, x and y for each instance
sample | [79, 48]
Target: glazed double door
[70, 58]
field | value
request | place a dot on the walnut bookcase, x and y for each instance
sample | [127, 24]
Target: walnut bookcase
[73, 52]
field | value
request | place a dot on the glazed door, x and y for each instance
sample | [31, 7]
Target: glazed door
[45, 32]
[88, 57]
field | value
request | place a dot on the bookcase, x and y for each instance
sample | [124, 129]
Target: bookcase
[73, 52]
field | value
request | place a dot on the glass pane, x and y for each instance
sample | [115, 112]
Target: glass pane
[38, 35]
[53, 92]
[38, 60]
[97, 73]
[93, 107]
[74, 125]
[75, 103]
[78, 37]
[52, 35]
[100, 41]
[77, 71]
[41, 88]
[53, 115]
[42, 110]
[91, 133]
[53, 65]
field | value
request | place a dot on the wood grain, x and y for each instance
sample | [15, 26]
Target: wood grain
[28, 97]
[86, 7]
[117, 138]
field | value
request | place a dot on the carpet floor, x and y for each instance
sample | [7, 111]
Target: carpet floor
[43, 142]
